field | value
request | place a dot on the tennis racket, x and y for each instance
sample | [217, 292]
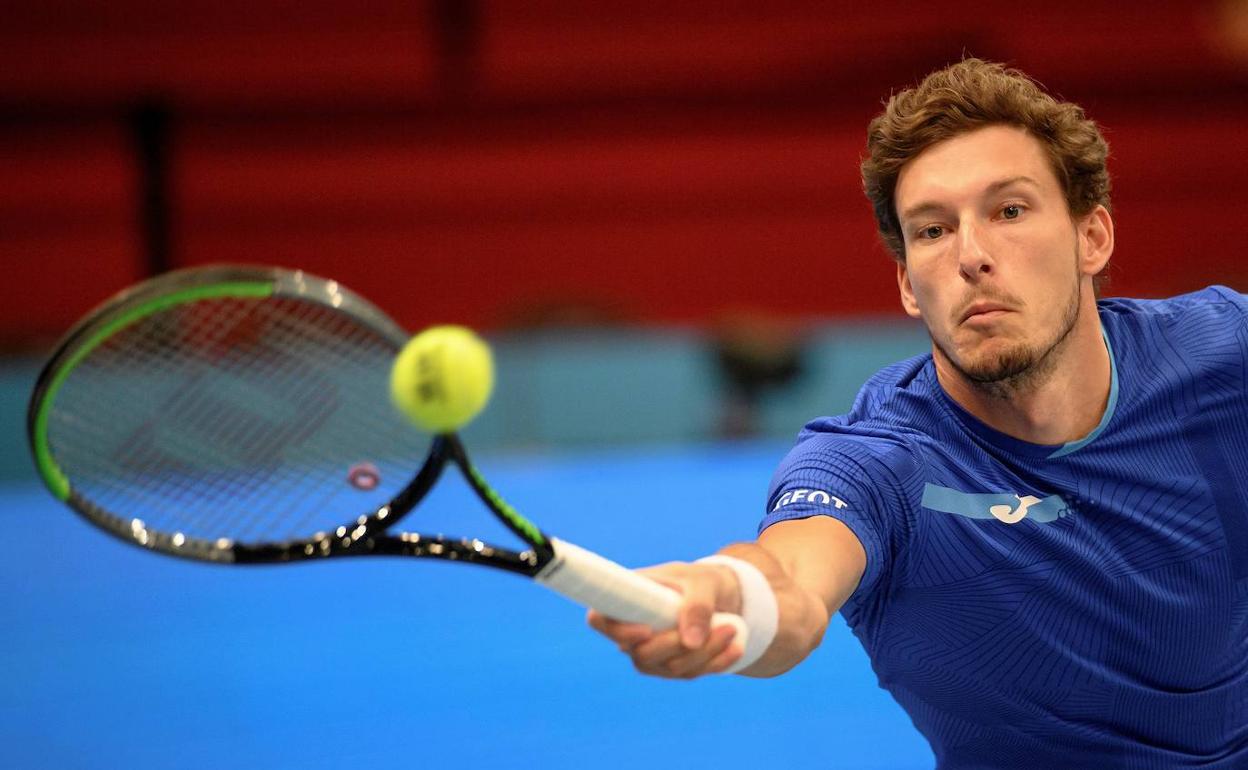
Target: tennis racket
[241, 415]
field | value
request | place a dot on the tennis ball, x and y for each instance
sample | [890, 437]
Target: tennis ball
[442, 378]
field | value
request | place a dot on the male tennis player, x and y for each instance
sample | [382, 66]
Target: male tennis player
[1038, 531]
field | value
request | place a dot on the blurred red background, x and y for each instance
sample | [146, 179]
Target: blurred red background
[507, 163]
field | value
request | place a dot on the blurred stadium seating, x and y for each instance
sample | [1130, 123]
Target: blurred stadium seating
[518, 163]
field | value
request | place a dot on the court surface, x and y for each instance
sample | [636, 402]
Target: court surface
[119, 659]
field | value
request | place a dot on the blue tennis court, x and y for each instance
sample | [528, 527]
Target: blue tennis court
[117, 658]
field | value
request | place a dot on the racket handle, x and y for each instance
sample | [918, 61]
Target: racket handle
[618, 592]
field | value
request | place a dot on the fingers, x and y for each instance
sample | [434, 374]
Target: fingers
[691, 649]
[626, 635]
[666, 655]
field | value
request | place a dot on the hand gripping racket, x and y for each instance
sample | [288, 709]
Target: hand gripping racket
[240, 415]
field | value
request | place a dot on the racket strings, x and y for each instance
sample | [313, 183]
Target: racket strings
[264, 489]
[131, 371]
[299, 490]
[237, 433]
[235, 418]
[347, 347]
[154, 464]
[207, 451]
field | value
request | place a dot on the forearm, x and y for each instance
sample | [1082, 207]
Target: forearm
[796, 575]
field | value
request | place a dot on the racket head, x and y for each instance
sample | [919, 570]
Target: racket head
[230, 413]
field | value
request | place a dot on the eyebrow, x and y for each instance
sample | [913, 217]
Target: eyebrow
[996, 187]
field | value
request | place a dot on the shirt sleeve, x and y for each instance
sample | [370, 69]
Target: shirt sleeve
[1236, 298]
[861, 482]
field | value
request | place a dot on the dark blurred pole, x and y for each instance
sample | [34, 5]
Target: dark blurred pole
[755, 356]
[457, 30]
[149, 127]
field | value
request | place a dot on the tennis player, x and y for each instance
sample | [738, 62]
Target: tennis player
[1038, 531]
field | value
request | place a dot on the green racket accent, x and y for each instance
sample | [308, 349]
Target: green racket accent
[52, 475]
[513, 517]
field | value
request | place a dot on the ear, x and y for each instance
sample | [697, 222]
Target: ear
[1095, 231]
[907, 292]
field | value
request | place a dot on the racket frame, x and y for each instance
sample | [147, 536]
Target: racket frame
[574, 572]
[367, 534]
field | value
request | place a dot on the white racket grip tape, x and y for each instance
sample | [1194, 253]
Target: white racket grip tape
[618, 592]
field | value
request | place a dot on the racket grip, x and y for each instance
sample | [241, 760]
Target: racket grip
[618, 592]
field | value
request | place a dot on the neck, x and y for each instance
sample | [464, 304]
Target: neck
[1063, 400]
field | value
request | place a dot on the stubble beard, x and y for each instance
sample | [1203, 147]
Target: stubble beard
[1020, 368]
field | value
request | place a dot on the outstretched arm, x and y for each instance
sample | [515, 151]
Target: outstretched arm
[812, 566]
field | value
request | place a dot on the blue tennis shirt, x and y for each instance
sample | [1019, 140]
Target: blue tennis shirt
[1073, 606]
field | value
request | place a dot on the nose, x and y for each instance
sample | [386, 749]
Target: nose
[974, 259]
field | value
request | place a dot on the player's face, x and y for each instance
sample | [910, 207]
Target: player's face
[994, 263]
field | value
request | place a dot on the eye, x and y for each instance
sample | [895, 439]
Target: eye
[931, 232]
[1011, 211]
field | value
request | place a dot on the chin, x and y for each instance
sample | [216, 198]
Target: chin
[1005, 365]
[995, 361]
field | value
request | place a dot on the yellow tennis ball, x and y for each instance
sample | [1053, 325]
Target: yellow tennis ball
[442, 378]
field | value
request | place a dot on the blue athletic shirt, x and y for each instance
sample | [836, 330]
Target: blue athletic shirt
[1074, 606]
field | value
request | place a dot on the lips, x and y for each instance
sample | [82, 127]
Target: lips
[981, 308]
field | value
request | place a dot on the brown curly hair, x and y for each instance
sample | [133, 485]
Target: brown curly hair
[971, 94]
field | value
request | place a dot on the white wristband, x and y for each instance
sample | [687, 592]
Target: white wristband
[758, 608]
